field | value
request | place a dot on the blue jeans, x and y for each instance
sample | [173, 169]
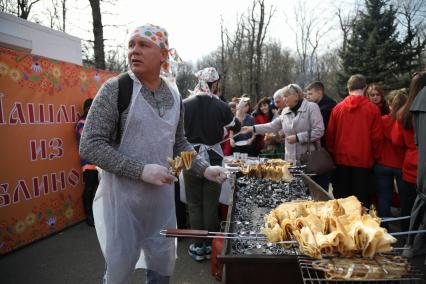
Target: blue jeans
[153, 277]
[385, 183]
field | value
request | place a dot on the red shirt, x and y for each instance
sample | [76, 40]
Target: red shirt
[354, 133]
[391, 155]
[405, 138]
[260, 118]
[226, 147]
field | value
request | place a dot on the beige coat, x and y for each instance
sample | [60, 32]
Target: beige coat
[298, 124]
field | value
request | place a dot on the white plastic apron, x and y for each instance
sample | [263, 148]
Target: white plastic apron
[225, 193]
[129, 214]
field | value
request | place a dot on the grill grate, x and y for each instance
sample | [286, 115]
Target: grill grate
[312, 275]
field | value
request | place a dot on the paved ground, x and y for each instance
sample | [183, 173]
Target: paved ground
[73, 256]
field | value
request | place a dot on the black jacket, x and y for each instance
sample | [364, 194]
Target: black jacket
[205, 118]
[326, 105]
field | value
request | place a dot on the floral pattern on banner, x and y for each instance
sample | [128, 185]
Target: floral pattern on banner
[42, 81]
[52, 75]
[50, 216]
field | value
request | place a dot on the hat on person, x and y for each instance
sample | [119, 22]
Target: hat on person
[204, 76]
[158, 36]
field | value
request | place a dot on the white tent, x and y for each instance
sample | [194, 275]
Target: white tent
[19, 34]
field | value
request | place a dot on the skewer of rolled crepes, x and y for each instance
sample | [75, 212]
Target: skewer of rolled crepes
[180, 162]
[334, 227]
[274, 169]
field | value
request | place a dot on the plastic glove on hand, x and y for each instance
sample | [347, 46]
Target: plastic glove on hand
[157, 175]
[216, 174]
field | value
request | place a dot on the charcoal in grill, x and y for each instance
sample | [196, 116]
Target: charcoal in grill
[254, 199]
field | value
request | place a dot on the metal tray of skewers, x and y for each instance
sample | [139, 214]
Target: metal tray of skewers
[250, 258]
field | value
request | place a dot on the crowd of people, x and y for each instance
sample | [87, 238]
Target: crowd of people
[370, 137]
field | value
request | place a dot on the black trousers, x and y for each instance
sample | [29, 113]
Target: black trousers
[407, 196]
[356, 181]
[180, 209]
[91, 181]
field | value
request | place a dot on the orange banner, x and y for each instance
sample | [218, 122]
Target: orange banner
[41, 183]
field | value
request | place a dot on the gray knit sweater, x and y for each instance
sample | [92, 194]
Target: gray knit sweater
[98, 140]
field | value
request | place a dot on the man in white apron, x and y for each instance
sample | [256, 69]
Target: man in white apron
[135, 197]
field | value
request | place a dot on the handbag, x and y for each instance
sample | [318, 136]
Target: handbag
[319, 160]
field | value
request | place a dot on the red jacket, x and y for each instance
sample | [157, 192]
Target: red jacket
[354, 132]
[405, 138]
[260, 118]
[391, 155]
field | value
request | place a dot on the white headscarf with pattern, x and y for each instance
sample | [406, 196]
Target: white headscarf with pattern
[159, 36]
[204, 76]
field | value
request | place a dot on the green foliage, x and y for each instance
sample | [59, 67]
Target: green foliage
[375, 50]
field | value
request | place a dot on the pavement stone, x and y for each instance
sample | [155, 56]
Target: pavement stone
[74, 256]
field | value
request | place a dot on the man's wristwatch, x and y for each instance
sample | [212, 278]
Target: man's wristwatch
[254, 129]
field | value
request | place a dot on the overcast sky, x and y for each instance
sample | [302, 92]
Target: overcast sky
[194, 25]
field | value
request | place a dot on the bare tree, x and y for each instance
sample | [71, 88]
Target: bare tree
[98, 34]
[87, 53]
[64, 14]
[262, 29]
[328, 66]
[185, 80]
[52, 13]
[227, 51]
[309, 29]
[116, 59]
[345, 27]
[9, 6]
[277, 68]
[257, 25]
[24, 8]
[346, 21]
[411, 16]
[239, 62]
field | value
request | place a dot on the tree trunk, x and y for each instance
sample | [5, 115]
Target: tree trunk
[222, 59]
[98, 34]
[259, 43]
[64, 14]
[24, 8]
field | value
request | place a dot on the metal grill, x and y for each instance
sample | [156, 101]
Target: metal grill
[312, 275]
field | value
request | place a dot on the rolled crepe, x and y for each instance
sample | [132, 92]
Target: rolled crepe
[290, 210]
[274, 234]
[351, 205]
[307, 242]
[287, 227]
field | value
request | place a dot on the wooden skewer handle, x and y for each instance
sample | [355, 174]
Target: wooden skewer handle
[185, 232]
